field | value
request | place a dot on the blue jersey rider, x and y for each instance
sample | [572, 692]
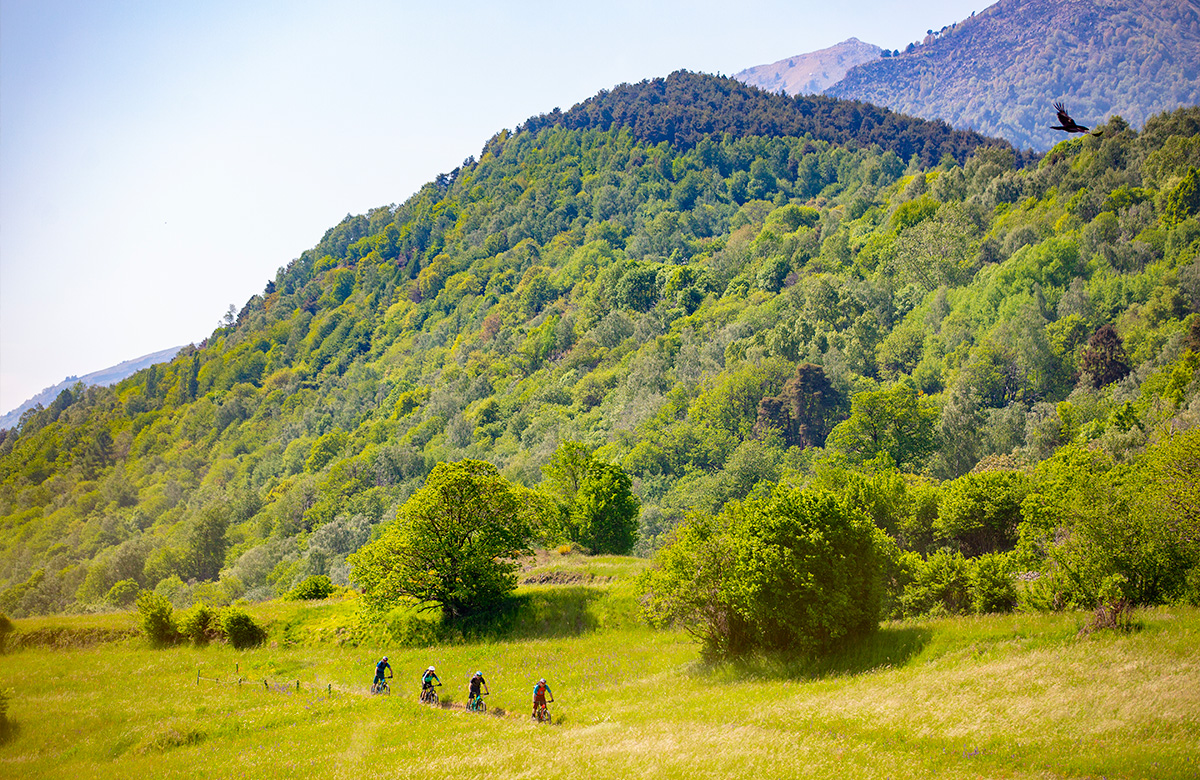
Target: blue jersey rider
[379, 669]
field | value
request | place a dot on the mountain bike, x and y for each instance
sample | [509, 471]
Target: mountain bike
[381, 686]
[540, 713]
[476, 703]
[429, 695]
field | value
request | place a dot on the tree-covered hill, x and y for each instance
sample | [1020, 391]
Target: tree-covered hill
[706, 285]
[686, 107]
[1000, 70]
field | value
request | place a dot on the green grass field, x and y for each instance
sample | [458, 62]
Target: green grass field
[1018, 696]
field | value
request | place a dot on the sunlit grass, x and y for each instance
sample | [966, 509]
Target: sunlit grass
[1006, 696]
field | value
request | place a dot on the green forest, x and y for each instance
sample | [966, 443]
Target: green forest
[706, 294]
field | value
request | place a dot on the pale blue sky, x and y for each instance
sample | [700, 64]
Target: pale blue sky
[160, 160]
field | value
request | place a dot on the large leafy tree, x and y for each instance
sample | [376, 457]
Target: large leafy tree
[795, 571]
[896, 421]
[453, 545]
[605, 512]
[595, 499]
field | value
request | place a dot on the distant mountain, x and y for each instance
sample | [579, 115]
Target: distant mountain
[812, 73]
[104, 377]
[999, 71]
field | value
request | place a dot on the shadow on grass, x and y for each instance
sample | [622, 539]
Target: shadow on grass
[888, 648]
[557, 612]
[9, 731]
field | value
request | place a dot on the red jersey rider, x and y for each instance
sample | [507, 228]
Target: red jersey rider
[539, 695]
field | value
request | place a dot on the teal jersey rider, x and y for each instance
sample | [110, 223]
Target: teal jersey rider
[428, 678]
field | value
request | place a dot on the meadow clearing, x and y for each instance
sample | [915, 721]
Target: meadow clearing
[1014, 696]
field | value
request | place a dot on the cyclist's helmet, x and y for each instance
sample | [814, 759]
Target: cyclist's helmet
[479, 674]
[430, 669]
[385, 658]
[542, 681]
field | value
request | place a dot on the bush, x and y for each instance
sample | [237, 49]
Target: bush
[123, 593]
[199, 624]
[318, 586]
[992, 585]
[156, 619]
[795, 570]
[6, 628]
[941, 585]
[1113, 610]
[241, 629]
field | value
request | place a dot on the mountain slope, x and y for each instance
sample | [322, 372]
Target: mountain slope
[105, 376]
[663, 273]
[1000, 70]
[811, 73]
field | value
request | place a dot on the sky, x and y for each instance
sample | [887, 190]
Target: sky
[159, 161]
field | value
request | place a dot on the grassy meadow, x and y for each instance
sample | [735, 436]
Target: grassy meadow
[1013, 696]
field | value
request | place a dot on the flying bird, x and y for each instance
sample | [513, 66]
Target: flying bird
[1066, 123]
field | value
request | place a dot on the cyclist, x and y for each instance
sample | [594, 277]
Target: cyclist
[379, 669]
[540, 691]
[427, 682]
[477, 683]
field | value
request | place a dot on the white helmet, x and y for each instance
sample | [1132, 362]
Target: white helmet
[430, 669]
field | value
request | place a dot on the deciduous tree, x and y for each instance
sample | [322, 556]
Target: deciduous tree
[453, 545]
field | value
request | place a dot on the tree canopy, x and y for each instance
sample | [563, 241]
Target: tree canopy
[453, 545]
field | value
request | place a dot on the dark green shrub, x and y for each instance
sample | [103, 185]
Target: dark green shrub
[241, 629]
[992, 586]
[123, 593]
[941, 585]
[6, 628]
[156, 619]
[318, 586]
[199, 624]
[795, 570]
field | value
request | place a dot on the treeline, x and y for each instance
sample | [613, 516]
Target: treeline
[703, 318]
[684, 108]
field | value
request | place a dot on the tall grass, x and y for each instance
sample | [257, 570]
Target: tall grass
[1006, 696]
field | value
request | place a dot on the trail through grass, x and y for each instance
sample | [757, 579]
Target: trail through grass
[1006, 696]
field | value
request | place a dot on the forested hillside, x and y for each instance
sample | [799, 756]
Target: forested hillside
[1000, 70]
[706, 285]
